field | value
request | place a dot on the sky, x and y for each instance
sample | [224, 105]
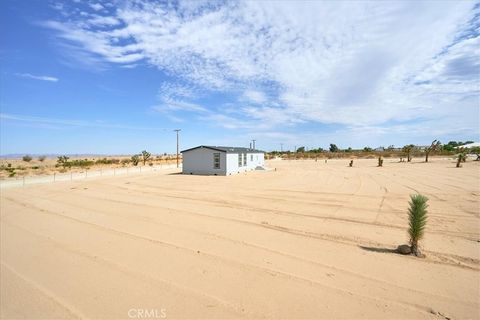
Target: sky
[117, 77]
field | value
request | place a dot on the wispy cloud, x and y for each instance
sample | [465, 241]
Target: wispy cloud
[73, 123]
[356, 64]
[35, 77]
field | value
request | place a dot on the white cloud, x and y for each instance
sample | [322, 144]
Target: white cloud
[350, 63]
[31, 76]
[178, 105]
[96, 6]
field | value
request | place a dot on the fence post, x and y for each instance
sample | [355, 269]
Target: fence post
[85, 173]
[71, 176]
[24, 181]
[140, 168]
[114, 171]
[101, 172]
[54, 174]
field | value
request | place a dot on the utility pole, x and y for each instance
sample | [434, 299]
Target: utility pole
[281, 147]
[177, 130]
[254, 144]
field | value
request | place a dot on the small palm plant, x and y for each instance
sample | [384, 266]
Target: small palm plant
[417, 216]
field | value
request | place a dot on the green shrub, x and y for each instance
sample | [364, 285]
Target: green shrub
[27, 158]
[107, 161]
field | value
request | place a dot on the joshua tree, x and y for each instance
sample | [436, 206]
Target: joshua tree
[433, 147]
[145, 156]
[333, 147]
[462, 157]
[476, 151]
[408, 150]
[380, 161]
[417, 220]
[135, 159]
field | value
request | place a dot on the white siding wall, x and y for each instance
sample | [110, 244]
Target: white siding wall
[232, 162]
[200, 161]
[258, 160]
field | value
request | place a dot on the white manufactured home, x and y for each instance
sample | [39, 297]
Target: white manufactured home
[212, 160]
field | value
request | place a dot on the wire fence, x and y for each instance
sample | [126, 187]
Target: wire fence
[82, 175]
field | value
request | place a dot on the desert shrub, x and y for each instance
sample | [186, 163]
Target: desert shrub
[81, 163]
[107, 161]
[417, 220]
[125, 161]
[65, 163]
[42, 158]
[27, 158]
[9, 169]
[135, 159]
[62, 161]
[35, 167]
[351, 163]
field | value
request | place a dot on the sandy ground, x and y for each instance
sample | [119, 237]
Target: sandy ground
[309, 240]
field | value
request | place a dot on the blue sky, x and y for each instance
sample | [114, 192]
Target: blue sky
[116, 77]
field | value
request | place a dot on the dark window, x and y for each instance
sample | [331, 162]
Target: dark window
[216, 161]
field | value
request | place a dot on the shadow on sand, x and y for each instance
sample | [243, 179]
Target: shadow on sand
[379, 250]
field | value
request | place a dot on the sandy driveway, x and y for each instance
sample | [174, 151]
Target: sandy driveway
[310, 240]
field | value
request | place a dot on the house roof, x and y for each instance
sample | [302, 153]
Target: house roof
[227, 149]
[470, 145]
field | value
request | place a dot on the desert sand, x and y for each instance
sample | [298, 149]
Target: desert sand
[309, 240]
